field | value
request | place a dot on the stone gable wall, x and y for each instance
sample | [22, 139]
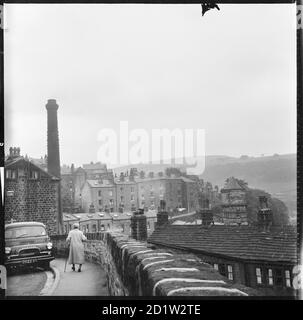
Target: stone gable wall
[32, 200]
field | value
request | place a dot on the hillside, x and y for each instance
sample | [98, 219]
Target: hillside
[275, 174]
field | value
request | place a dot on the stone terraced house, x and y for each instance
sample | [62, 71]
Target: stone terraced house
[31, 194]
[248, 255]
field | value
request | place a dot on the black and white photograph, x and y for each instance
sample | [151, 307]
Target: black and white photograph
[150, 150]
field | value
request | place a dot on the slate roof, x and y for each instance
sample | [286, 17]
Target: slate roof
[94, 216]
[94, 166]
[117, 181]
[12, 162]
[239, 242]
[99, 184]
[233, 184]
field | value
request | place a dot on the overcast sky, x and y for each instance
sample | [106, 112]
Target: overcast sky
[232, 73]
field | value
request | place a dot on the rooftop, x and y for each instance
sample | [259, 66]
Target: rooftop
[100, 183]
[11, 162]
[233, 184]
[239, 242]
[94, 166]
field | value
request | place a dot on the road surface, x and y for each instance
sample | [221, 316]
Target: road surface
[35, 281]
[26, 282]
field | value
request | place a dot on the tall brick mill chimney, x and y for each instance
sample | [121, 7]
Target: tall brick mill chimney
[53, 154]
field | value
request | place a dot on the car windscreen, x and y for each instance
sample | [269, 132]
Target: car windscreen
[25, 231]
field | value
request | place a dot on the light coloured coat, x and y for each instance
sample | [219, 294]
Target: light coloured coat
[75, 239]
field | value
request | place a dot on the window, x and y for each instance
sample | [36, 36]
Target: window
[148, 225]
[121, 189]
[151, 193]
[121, 198]
[270, 277]
[102, 227]
[132, 198]
[99, 193]
[230, 272]
[34, 175]
[216, 266]
[25, 231]
[259, 275]
[287, 278]
[132, 189]
[110, 193]
[94, 228]
[100, 202]
[11, 174]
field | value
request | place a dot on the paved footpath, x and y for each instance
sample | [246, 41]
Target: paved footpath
[91, 281]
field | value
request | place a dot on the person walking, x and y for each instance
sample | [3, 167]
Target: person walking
[75, 239]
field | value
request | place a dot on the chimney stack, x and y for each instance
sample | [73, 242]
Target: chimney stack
[206, 213]
[162, 215]
[138, 225]
[14, 153]
[265, 216]
[91, 208]
[53, 156]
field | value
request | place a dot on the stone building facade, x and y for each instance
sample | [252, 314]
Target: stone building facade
[234, 202]
[99, 193]
[31, 194]
[127, 193]
[130, 190]
[73, 181]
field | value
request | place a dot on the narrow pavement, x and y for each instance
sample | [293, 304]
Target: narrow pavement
[90, 282]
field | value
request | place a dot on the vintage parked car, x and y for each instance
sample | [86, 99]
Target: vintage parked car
[27, 243]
